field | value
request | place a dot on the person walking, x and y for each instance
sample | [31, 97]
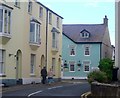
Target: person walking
[50, 76]
[44, 75]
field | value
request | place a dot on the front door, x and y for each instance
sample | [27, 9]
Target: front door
[18, 64]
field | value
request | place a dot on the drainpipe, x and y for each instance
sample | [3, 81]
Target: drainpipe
[46, 37]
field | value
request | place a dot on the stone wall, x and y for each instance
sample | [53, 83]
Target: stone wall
[105, 90]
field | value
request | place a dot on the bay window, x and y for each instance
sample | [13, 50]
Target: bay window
[5, 21]
[34, 33]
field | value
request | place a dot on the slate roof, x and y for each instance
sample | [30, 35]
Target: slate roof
[72, 31]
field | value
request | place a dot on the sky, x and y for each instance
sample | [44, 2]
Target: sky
[85, 12]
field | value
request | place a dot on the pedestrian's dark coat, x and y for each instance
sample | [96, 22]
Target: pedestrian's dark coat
[44, 72]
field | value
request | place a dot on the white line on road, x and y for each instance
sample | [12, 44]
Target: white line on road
[42, 90]
[34, 93]
[55, 87]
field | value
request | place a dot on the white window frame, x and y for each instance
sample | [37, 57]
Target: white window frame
[70, 65]
[32, 64]
[70, 49]
[2, 62]
[87, 64]
[50, 18]
[8, 21]
[58, 22]
[41, 12]
[55, 40]
[85, 50]
[30, 7]
[36, 33]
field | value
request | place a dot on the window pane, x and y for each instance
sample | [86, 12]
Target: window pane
[57, 22]
[32, 27]
[86, 67]
[32, 32]
[53, 40]
[1, 19]
[87, 51]
[41, 12]
[30, 7]
[9, 16]
[72, 67]
[50, 18]
[38, 33]
[5, 22]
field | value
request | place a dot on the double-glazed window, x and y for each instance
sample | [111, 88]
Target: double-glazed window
[32, 66]
[86, 65]
[71, 66]
[87, 51]
[2, 62]
[34, 33]
[5, 21]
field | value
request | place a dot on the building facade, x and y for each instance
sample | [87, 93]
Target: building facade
[28, 30]
[84, 45]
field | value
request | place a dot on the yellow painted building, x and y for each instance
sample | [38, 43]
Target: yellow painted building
[30, 38]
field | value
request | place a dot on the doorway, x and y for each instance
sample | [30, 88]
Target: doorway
[19, 66]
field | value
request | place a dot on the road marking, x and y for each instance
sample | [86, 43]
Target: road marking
[42, 90]
[34, 93]
[55, 87]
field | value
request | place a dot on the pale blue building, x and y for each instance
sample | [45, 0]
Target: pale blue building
[83, 47]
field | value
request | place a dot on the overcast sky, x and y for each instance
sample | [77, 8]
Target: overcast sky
[84, 12]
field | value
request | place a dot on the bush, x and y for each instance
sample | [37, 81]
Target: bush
[97, 76]
[106, 65]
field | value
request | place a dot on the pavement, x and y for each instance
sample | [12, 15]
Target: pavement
[19, 87]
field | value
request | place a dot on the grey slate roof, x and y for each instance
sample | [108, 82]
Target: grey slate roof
[72, 31]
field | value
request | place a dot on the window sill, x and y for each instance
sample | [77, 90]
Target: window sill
[34, 46]
[87, 71]
[32, 75]
[71, 71]
[72, 55]
[5, 38]
[55, 49]
[86, 55]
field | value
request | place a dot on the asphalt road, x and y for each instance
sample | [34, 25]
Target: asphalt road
[60, 89]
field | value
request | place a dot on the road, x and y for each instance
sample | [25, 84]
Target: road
[60, 89]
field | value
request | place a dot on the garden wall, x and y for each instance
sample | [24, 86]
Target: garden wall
[101, 90]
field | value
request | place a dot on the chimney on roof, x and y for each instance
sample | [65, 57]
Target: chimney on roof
[105, 20]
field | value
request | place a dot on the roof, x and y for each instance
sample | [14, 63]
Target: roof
[72, 31]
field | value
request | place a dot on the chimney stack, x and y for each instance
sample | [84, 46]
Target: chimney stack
[105, 20]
